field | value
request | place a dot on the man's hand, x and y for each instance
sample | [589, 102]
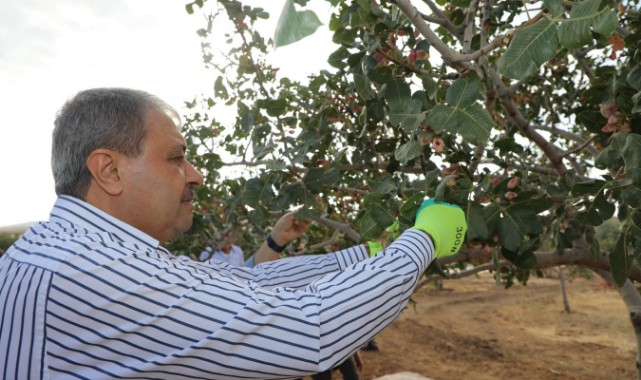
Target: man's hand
[288, 228]
[445, 223]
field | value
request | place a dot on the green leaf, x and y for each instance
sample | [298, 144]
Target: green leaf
[370, 229]
[595, 212]
[385, 186]
[256, 191]
[442, 188]
[314, 180]
[622, 146]
[516, 226]
[632, 196]
[524, 260]
[220, 90]
[190, 7]
[576, 31]
[363, 87]
[609, 157]
[589, 187]
[408, 151]
[554, 6]
[492, 213]
[537, 204]
[246, 116]
[411, 205]
[294, 25]
[634, 78]
[636, 100]
[372, 199]
[631, 151]
[259, 215]
[592, 120]
[404, 111]
[408, 118]
[295, 193]
[343, 36]
[276, 107]
[476, 224]
[530, 48]
[381, 215]
[473, 123]
[397, 92]
[606, 22]
[337, 58]
[288, 195]
[464, 91]
[620, 261]
[306, 214]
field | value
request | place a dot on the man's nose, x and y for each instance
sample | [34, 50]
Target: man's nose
[193, 176]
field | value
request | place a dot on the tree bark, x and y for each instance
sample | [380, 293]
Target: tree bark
[579, 255]
[566, 302]
[632, 299]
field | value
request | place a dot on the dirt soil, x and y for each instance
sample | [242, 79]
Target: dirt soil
[475, 329]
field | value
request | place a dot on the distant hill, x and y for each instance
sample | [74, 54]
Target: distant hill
[15, 228]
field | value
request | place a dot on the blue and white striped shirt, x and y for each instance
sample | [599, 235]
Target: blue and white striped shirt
[87, 296]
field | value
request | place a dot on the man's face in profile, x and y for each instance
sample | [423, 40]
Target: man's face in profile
[160, 181]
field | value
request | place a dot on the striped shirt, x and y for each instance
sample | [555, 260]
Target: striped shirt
[86, 296]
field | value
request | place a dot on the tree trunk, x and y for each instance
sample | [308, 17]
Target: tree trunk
[632, 299]
[566, 302]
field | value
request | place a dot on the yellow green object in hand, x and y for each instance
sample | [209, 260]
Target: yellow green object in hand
[445, 223]
[374, 247]
[394, 228]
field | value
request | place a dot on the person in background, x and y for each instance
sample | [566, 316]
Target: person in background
[92, 293]
[269, 251]
[227, 252]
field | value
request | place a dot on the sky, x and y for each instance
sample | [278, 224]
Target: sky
[49, 50]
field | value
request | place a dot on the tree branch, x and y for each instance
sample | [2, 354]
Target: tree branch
[318, 246]
[580, 255]
[551, 151]
[342, 227]
[441, 18]
[578, 148]
[569, 135]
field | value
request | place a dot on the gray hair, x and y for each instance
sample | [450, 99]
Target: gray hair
[109, 118]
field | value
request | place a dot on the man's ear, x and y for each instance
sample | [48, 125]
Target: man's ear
[103, 166]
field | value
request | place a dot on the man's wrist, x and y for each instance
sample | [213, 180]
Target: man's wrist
[271, 243]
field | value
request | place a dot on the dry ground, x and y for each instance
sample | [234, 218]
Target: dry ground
[475, 329]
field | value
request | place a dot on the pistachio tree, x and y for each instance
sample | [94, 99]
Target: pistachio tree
[526, 114]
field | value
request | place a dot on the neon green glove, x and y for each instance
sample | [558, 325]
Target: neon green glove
[374, 247]
[445, 223]
[394, 229]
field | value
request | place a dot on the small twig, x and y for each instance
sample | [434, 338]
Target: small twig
[578, 148]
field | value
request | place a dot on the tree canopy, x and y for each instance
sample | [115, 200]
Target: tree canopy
[526, 114]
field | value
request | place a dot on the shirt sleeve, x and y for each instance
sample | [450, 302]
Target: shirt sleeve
[298, 272]
[156, 316]
[285, 330]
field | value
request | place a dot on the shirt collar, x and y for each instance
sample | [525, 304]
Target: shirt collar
[81, 213]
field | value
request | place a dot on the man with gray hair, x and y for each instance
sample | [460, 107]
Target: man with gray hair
[92, 294]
